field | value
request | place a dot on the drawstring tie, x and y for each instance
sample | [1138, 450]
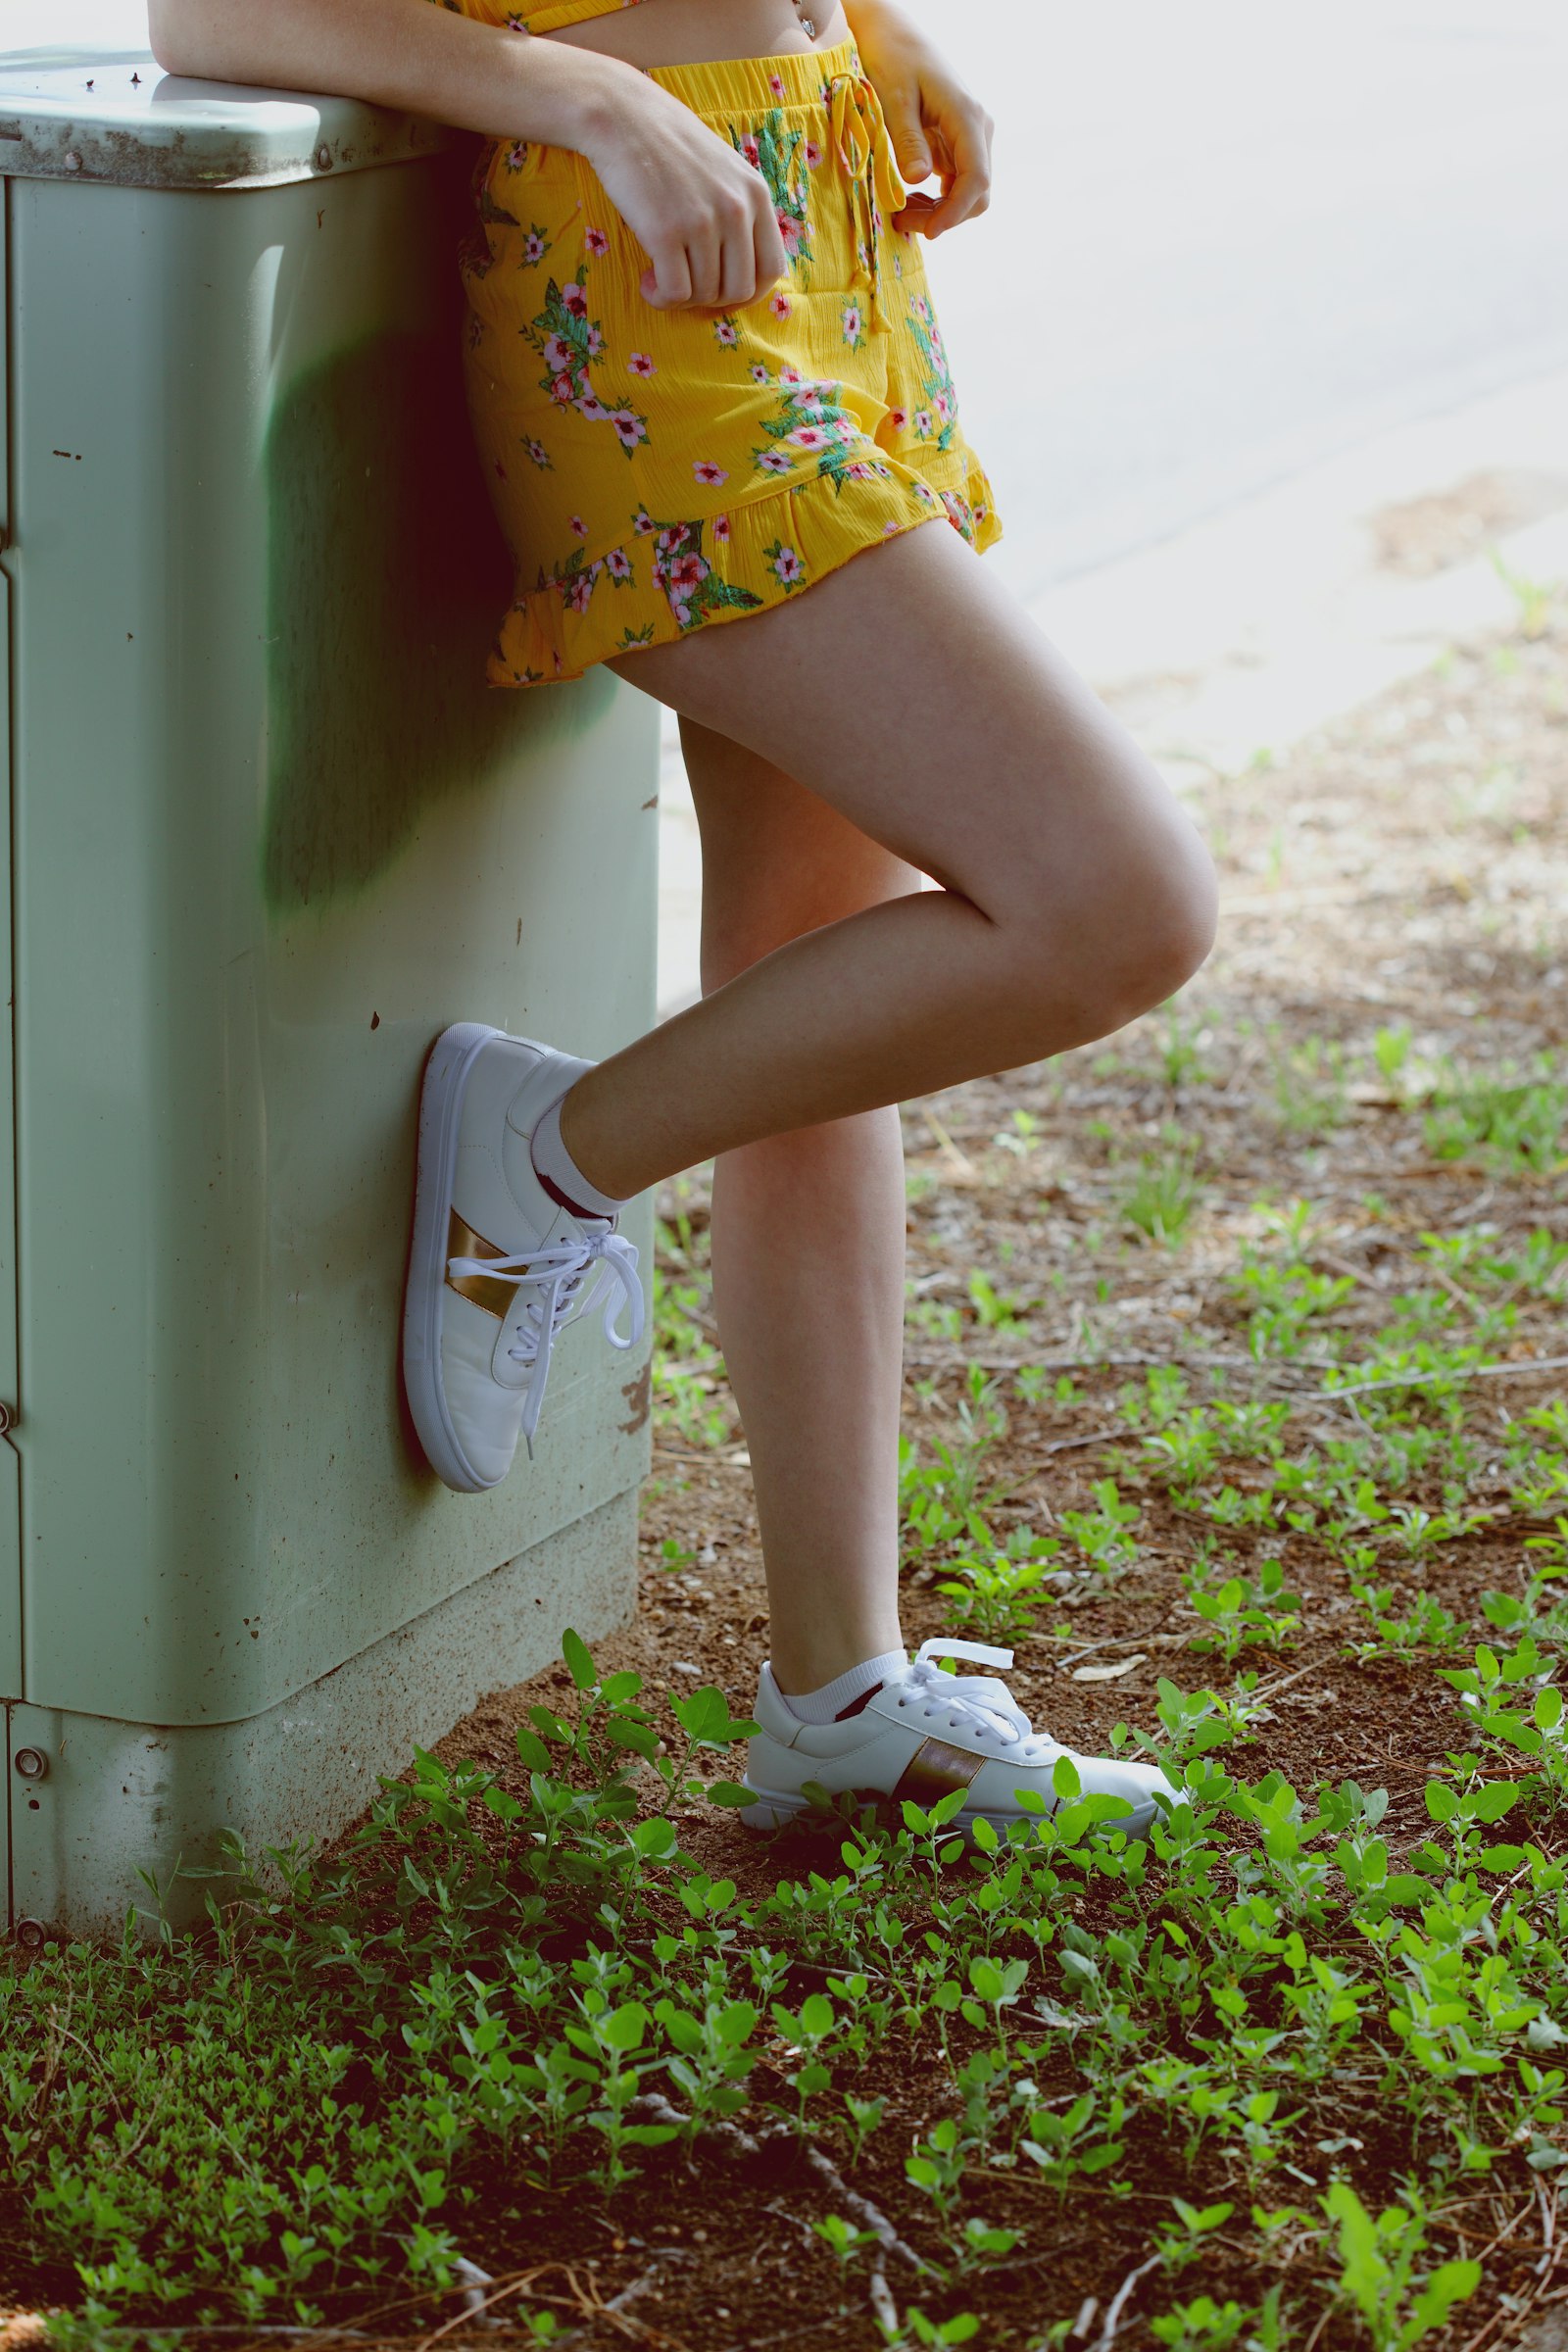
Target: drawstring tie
[876, 192]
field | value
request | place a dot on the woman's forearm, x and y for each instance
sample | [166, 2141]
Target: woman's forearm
[407, 54]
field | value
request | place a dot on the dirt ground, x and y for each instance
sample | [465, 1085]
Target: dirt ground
[1405, 869]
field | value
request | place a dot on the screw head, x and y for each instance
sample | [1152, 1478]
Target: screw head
[73, 161]
[324, 159]
[32, 1935]
[32, 1763]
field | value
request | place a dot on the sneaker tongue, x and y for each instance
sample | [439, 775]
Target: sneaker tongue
[546, 1217]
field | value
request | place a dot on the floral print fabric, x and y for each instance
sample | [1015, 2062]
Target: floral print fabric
[657, 472]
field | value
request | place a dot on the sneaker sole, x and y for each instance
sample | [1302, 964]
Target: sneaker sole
[440, 1118]
[773, 1811]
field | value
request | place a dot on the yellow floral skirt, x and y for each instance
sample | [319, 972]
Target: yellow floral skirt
[656, 471]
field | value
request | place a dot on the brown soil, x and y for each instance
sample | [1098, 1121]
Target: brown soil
[1405, 867]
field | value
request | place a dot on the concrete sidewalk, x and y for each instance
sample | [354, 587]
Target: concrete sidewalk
[1239, 635]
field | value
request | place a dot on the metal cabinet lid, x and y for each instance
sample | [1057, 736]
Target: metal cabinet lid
[85, 99]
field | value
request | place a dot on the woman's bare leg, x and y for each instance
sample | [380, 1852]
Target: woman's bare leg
[810, 1306]
[910, 692]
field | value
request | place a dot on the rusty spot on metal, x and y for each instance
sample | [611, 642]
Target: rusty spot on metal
[638, 1394]
[652, 803]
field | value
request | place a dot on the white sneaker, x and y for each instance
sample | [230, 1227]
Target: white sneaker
[496, 1267]
[923, 1734]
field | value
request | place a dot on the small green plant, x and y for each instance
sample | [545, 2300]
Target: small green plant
[1310, 1089]
[1243, 1609]
[993, 1309]
[1161, 1197]
[990, 1593]
[1378, 2263]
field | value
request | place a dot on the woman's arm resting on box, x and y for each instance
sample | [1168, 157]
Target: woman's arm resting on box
[699, 210]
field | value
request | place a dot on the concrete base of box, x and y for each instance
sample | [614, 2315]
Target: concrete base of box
[115, 1799]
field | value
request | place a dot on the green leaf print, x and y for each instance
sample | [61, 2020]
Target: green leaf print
[577, 578]
[684, 575]
[938, 421]
[775, 152]
[570, 343]
[812, 424]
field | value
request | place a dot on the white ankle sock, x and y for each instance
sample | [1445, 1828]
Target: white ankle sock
[837, 1697]
[559, 1173]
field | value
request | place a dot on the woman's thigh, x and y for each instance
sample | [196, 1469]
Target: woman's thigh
[910, 692]
[777, 858]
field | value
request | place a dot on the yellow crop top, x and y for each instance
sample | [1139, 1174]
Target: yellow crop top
[548, 19]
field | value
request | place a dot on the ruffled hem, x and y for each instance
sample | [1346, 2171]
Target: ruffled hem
[671, 578]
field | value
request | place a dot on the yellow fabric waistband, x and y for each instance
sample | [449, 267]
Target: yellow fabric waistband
[752, 84]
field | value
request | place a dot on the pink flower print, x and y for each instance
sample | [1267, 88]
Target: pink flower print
[981, 513]
[669, 540]
[641, 363]
[688, 572]
[517, 156]
[888, 529]
[810, 436]
[629, 427]
[559, 355]
[859, 472]
[596, 241]
[812, 154]
[580, 526]
[561, 390]
[941, 405]
[759, 373]
[538, 452]
[853, 325]
[937, 349]
[516, 22]
[790, 231]
[788, 566]
[727, 331]
[780, 305]
[581, 589]
[921, 309]
[721, 529]
[751, 150]
[775, 82]
[534, 247]
[682, 612]
[774, 461]
[898, 418]
[619, 564]
[924, 423]
[708, 473]
[791, 375]
[574, 300]
[596, 343]
[593, 407]
[642, 522]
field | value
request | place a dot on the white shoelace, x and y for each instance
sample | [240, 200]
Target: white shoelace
[557, 1275]
[971, 1702]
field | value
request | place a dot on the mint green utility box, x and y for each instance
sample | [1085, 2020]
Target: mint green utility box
[269, 831]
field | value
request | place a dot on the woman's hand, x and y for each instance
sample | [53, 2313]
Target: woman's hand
[702, 214]
[936, 125]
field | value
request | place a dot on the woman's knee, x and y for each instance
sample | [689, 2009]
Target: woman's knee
[1127, 938]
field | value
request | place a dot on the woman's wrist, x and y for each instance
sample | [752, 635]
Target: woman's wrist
[570, 96]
